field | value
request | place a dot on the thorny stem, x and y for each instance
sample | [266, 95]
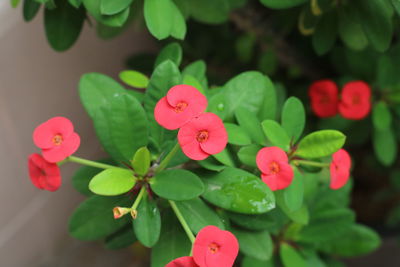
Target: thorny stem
[88, 163]
[168, 158]
[182, 221]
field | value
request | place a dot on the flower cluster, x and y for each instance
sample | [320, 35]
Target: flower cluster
[57, 140]
[213, 247]
[354, 102]
[200, 134]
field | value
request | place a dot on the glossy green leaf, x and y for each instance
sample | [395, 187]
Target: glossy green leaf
[239, 191]
[218, 105]
[291, 257]
[134, 78]
[171, 52]
[111, 7]
[269, 106]
[293, 118]
[198, 214]
[141, 161]
[294, 194]
[93, 219]
[320, 144]
[381, 116]
[177, 185]
[256, 222]
[237, 135]
[282, 4]
[250, 123]
[325, 33]
[63, 25]
[385, 146]
[276, 134]
[209, 11]
[247, 155]
[147, 224]
[112, 182]
[158, 15]
[30, 9]
[123, 238]
[255, 244]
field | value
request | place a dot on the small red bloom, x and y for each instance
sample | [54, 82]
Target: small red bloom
[214, 247]
[340, 169]
[355, 103]
[324, 98]
[56, 138]
[43, 174]
[182, 262]
[203, 136]
[182, 103]
[275, 169]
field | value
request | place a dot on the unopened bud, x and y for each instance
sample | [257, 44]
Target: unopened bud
[134, 214]
[120, 211]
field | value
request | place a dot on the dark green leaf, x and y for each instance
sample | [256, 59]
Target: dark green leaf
[247, 155]
[381, 116]
[250, 123]
[293, 118]
[115, 20]
[121, 239]
[112, 182]
[30, 9]
[325, 33]
[350, 29]
[111, 7]
[320, 144]
[209, 11]
[385, 146]
[282, 4]
[255, 244]
[252, 262]
[300, 216]
[269, 106]
[293, 195]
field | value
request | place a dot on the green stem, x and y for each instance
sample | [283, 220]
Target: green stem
[139, 198]
[90, 163]
[182, 221]
[167, 159]
[311, 163]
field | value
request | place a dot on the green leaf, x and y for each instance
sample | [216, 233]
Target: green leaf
[197, 69]
[122, 126]
[75, 3]
[134, 78]
[385, 146]
[192, 81]
[177, 185]
[225, 158]
[237, 135]
[14, 3]
[111, 7]
[147, 224]
[245, 90]
[396, 5]
[293, 118]
[269, 106]
[63, 25]
[209, 11]
[218, 105]
[173, 242]
[257, 222]
[276, 134]
[325, 33]
[93, 219]
[115, 20]
[141, 161]
[252, 262]
[290, 257]
[178, 30]
[320, 144]
[294, 194]
[250, 123]
[350, 29]
[255, 244]
[96, 90]
[212, 164]
[247, 155]
[82, 177]
[198, 214]
[172, 52]
[356, 241]
[158, 15]
[239, 191]
[121, 239]
[30, 9]
[381, 116]
[112, 182]
[300, 216]
[376, 22]
[282, 4]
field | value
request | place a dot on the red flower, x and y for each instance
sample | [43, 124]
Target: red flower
[44, 175]
[275, 169]
[355, 103]
[182, 103]
[56, 138]
[324, 98]
[182, 262]
[340, 169]
[214, 247]
[203, 136]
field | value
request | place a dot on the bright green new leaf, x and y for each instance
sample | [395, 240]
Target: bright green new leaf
[177, 185]
[294, 194]
[134, 78]
[171, 52]
[141, 161]
[63, 25]
[147, 225]
[320, 144]
[255, 244]
[247, 155]
[30, 9]
[293, 118]
[123, 238]
[238, 191]
[237, 135]
[93, 219]
[282, 4]
[158, 15]
[198, 214]
[385, 146]
[291, 257]
[276, 134]
[112, 182]
[381, 116]
[249, 122]
[111, 7]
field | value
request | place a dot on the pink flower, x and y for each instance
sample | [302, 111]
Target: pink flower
[355, 103]
[182, 103]
[275, 169]
[43, 174]
[182, 262]
[340, 169]
[203, 136]
[56, 138]
[214, 247]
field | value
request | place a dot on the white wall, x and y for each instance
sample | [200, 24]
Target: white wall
[37, 83]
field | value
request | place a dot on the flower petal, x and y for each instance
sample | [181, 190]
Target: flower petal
[267, 155]
[166, 116]
[43, 174]
[351, 109]
[193, 150]
[44, 133]
[182, 262]
[196, 101]
[324, 98]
